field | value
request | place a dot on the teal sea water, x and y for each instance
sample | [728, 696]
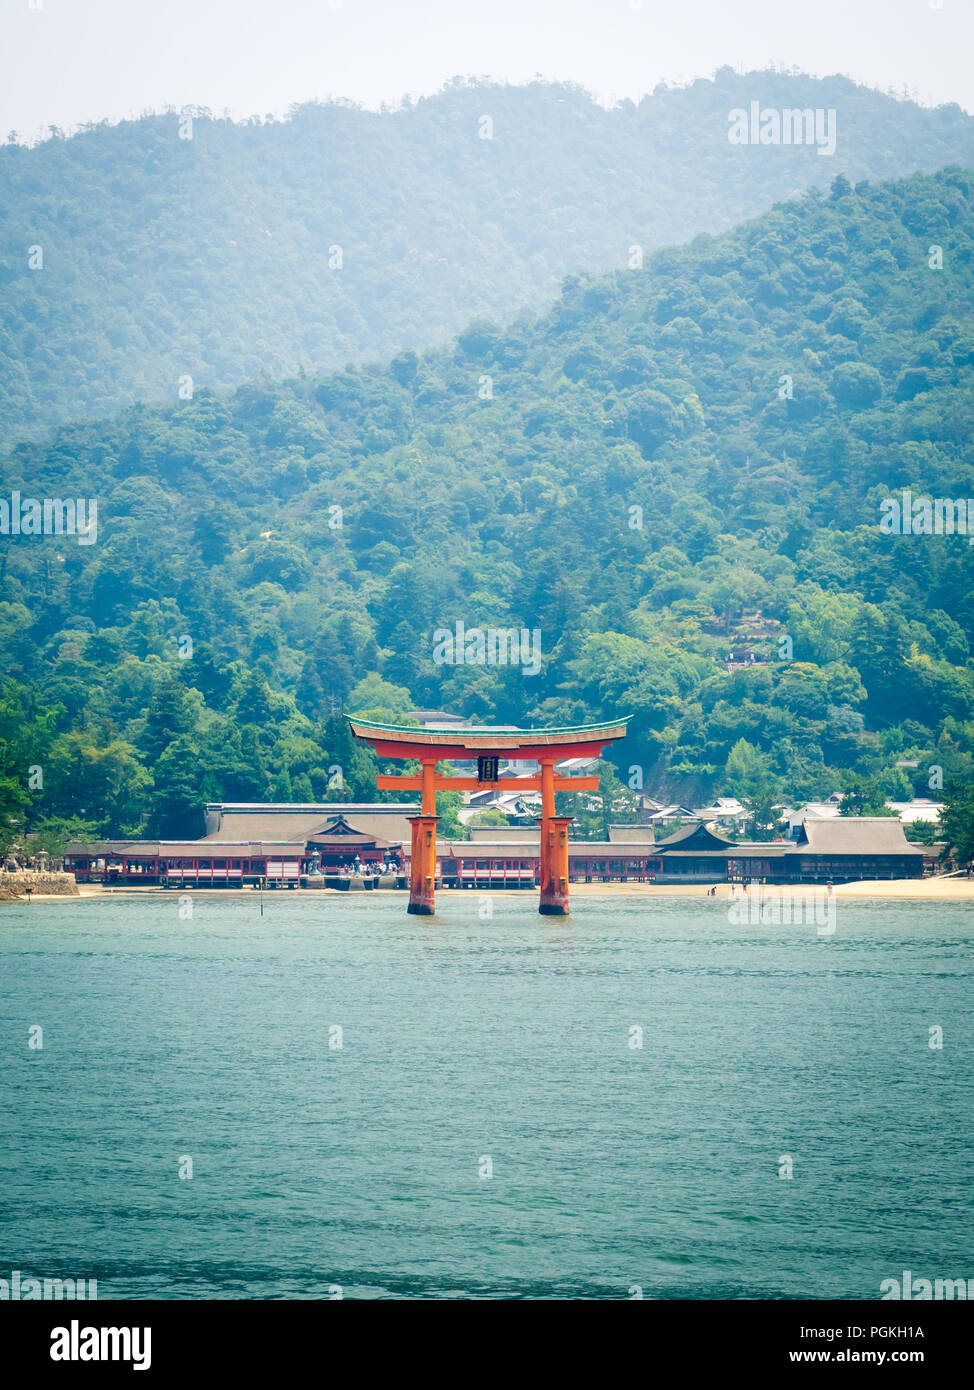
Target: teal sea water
[509, 1039]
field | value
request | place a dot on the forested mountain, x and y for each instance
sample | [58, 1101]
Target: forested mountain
[135, 263]
[675, 466]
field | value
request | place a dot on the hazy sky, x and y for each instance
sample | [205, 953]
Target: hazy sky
[63, 62]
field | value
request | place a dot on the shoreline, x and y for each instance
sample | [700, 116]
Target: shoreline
[919, 890]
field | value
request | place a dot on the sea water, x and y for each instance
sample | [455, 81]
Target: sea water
[336, 1098]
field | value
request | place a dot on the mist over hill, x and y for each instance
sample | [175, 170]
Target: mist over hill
[135, 264]
[676, 476]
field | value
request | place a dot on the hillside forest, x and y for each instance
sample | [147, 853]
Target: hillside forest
[676, 476]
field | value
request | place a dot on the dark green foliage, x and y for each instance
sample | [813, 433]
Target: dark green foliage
[664, 505]
[957, 822]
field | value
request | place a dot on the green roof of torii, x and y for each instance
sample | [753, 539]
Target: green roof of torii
[483, 737]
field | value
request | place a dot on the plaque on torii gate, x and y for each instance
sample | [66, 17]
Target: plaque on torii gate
[457, 744]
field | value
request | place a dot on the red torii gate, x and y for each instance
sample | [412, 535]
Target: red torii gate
[431, 745]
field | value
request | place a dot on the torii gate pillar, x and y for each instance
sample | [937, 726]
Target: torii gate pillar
[554, 848]
[422, 864]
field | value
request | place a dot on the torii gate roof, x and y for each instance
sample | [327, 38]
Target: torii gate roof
[402, 741]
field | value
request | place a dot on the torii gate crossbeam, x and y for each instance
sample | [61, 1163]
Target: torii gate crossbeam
[432, 745]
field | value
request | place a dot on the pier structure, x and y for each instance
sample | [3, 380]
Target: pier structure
[430, 745]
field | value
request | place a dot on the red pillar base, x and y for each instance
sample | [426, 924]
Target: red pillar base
[422, 868]
[554, 866]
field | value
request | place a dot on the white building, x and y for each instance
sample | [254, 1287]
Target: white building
[920, 808]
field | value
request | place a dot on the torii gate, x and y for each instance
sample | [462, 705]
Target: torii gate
[431, 745]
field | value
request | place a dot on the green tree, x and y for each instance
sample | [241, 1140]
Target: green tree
[53, 834]
[490, 816]
[957, 821]
[864, 796]
[748, 776]
[922, 832]
[176, 802]
[27, 731]
[101, 781]
[448, 807]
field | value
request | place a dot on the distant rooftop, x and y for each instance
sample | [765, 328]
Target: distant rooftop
[920, 808]
[434, 718]
[855, 835]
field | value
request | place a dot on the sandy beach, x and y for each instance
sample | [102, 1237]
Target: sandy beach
[921, 890]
